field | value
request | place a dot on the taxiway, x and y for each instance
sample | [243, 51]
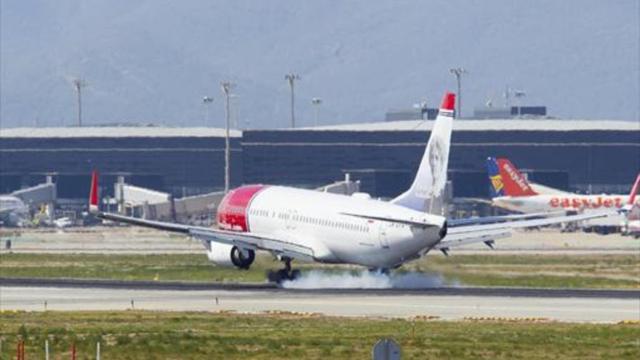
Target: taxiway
[443, 303]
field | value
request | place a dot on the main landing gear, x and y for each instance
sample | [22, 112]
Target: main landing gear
[381, 271]
[283, 274]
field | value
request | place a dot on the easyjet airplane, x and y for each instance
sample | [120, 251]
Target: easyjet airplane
[511, 190]
[308, 225]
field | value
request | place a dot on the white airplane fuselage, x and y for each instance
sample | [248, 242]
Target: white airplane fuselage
[319, 221]
[568, 202]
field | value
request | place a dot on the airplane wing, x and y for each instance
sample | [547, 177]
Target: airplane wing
[502, 218]
[6, 210]
[245, 240]
[272, 244]
[487, 233]
[487, 237]
[422, 224]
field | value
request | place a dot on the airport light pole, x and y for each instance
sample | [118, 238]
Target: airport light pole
[234, 101]
[206, 100]
[291, 77]
[458, 72]
[519, 94]
[226, 90]
[79, 83]
[316, 102]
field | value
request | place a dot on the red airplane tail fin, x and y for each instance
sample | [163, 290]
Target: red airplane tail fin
[515, 184]
[634, 191]
[93, 194]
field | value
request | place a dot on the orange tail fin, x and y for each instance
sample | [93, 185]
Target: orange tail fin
[515, 184]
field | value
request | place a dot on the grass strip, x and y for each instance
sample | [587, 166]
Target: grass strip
[192, 335]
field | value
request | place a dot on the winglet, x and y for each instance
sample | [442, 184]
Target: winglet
[634, 191]
[93, 194]
[448, 101]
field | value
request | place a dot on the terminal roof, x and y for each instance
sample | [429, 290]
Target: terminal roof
[411, 125]
[491, 125]
[115, 132]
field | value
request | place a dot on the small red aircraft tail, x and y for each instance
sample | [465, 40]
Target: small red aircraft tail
[515, 184]
[93, 194]
[634, 191]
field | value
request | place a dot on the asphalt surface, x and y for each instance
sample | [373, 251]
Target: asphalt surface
[340, 302]
[273, 288]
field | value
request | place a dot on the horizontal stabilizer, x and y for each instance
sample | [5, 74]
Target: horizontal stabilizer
[489, 236]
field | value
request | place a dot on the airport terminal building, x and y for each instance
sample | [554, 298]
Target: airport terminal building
[596, 156]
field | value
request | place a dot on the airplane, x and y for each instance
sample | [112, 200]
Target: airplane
[307, 225]
[62, 222]
[13, 211]
[511, 190]
[632, 213]
[632, 223]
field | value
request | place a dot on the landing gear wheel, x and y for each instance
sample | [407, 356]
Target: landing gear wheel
[273, 277]
[283, 274]
[383, 271]
[295, 274]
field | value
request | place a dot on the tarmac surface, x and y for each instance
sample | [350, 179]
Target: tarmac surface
[274, 288]
[567, 305]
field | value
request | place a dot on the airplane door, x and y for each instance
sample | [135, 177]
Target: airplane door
[291, 218]
[383, 230]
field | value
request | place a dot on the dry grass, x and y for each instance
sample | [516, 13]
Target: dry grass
[177, 335]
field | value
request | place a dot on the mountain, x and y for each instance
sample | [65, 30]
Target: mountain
[152, 61]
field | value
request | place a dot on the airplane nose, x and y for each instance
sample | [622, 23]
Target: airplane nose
[443, 230]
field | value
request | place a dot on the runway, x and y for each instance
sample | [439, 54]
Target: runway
[443, 303]
[273, 288]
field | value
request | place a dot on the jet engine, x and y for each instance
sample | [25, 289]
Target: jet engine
[230, 255]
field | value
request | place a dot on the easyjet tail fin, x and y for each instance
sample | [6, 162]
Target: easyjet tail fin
[427, 190]
[515, 184]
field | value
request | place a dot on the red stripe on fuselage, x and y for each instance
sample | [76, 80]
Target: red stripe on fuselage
[232, 211]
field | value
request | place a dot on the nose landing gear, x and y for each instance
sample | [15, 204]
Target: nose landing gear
[283, 274]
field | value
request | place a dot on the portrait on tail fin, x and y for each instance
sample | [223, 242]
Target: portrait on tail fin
[427, 193]
[437, 163]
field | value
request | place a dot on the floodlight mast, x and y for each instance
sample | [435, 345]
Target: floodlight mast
[226, 90]
[78, 84]
[519, 94]
[316, 104]
[206, 100]
[458, 72]
[291, 77]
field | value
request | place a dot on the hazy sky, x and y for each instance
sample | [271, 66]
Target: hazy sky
[152, 61]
